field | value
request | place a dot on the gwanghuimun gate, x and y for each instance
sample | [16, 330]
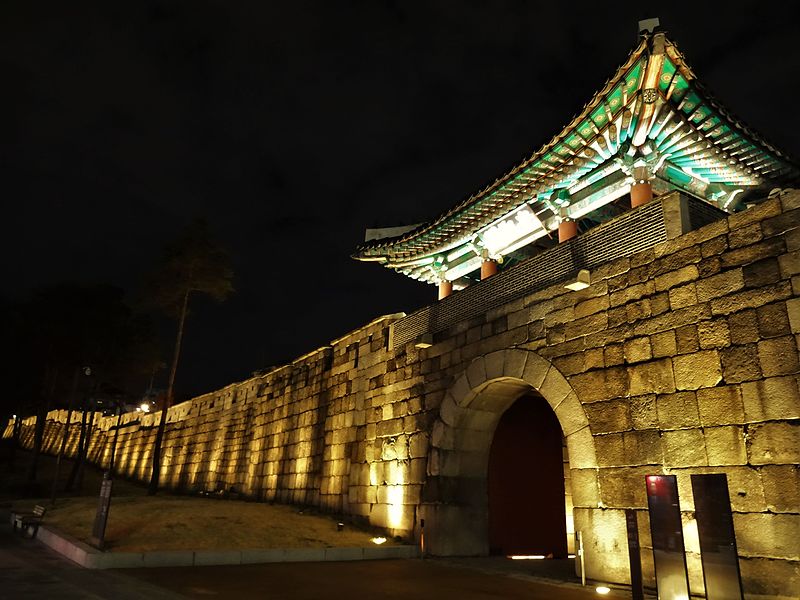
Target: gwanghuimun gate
[623, 303]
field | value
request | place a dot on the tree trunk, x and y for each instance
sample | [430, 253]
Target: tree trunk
[65, 437]
[152, 488]
[41, 423]
[81, 441]
[85, 456]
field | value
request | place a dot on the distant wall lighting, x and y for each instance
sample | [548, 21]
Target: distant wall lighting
[144, 407]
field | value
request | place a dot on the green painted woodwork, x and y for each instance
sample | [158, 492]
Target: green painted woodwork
[693, 143]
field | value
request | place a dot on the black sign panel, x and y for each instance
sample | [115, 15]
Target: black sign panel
[717, 538]
[634, 555]
[667, 534]
[101, 518]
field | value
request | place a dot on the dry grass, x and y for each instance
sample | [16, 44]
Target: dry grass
[141, 523]
[144, 523]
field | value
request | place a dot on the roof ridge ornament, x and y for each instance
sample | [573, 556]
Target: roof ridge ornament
[649, 26]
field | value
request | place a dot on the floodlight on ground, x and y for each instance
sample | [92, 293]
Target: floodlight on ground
[602, 590]
[144, 407]
[527, 557]
[378, 540]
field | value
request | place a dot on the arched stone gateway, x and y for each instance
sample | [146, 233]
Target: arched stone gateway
[455, 497]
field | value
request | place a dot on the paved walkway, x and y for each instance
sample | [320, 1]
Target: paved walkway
[385, 579]
[28, 570]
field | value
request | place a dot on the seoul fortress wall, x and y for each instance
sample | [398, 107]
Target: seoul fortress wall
[681, 358]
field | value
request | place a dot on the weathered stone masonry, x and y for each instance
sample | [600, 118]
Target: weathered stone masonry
[680, 359]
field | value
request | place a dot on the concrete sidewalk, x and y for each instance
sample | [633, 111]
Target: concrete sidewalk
[29, 570]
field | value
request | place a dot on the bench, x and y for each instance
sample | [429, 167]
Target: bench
[28, 522]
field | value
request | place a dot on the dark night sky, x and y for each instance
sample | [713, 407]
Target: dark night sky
[294, 126]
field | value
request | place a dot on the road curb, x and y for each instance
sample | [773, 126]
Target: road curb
[92, 558]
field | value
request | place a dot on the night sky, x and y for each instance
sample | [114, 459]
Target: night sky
[294, 126]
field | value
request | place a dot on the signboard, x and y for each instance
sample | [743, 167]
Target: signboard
[101, 518]
[667, 534]
[717, 537]
[634, 556]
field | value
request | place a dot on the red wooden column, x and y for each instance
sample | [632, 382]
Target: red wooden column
[445, 288]
[641, 190]
[567, 229]
[488, 268]
[641, 193]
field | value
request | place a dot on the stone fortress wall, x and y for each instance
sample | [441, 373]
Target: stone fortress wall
[679, 359]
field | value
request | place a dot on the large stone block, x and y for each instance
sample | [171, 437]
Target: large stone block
[766, 535]
[725, 445]
[768, 579]
[638, 350]
[745, 236]
[740, 363]
[643, 412]
[655, 377]
[721, 405]
[687, 339]
[536, 369]
[789, 264]
[604, 536]
[664, 344]
[774, 443]
[600, 385]
[608, 416]
[681, 297]
[713, 334]
[584, 488]
[778, 356]
[571, 415]
[677, 411]
[755, 214]
[771, 399]
[631, 448]
[684, 448]
[751, 298]
[719, 285]
[781, 487]
[555, 387]
[582, 450]
[591, 306]
[675, 278]
[623, 487]
[773, 320]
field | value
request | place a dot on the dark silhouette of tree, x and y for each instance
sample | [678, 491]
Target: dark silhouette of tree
[58, 331]
[194, 263]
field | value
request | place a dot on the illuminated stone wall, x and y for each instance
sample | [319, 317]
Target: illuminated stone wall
[680, 359]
